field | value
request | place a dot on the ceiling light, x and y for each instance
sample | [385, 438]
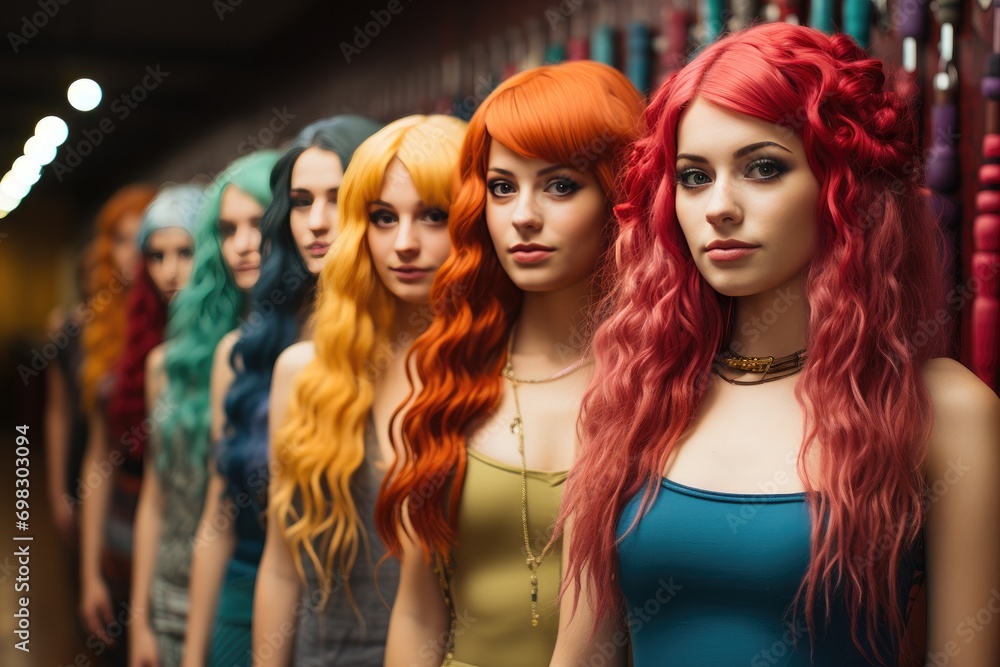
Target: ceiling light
[84, 94]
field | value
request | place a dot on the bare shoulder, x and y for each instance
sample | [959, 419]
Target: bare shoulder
[290, 362]
[294, 358]
[56, 319]
[966, 413]
[155, 359]
[225, 346]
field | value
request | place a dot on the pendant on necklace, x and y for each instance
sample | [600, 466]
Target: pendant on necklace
[516, 425]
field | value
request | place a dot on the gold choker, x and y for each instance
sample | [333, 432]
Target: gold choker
[770, 368]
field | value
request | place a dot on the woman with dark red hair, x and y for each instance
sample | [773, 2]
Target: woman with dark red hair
[772, 454]
[113, 465]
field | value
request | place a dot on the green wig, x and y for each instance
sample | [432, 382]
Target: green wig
[209, 307]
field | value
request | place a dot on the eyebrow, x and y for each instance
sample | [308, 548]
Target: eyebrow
[385, 204]
[541, 172]
[309, 192]
[746, 150]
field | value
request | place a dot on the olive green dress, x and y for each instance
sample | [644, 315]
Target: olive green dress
[490, 582]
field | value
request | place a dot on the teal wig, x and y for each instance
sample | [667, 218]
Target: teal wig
[203, 312]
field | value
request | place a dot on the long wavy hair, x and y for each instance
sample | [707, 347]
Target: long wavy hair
[208, 307]
[173, 206]
[582, 114]
[872, 279]
[321, 443]
[104, 335]
[272, 324]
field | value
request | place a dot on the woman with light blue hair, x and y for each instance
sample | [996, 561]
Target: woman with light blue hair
[166, 241]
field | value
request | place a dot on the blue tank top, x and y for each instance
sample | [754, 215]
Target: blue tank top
[708, 579]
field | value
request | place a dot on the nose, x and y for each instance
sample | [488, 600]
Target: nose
[171, 268]
[723, 204]
[526, 214]
[319, 217]
[247, 239]
[407, 244]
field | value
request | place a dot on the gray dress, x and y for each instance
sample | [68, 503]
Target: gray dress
[333, 635]
[182, 488]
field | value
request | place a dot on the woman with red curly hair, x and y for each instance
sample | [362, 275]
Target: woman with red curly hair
[770, 460]
[114, 459]
[485, 444]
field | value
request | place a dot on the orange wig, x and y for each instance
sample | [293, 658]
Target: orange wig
[580, 114]
[104, 331]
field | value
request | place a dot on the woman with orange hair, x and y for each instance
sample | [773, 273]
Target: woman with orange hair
[485, 443]
[113, 262]
[333, 399]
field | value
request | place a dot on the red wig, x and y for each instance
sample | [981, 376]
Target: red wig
[146, 321]
[873, 279]
[581, 114]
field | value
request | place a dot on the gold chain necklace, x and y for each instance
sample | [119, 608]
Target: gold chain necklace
[442, 566]
[779, 368]
[517, 428]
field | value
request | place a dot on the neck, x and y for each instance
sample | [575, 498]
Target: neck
[551, 325]
[772, 323]
[410, 320]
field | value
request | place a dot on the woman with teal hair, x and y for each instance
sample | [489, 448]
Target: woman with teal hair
[227, 265]
[297, 231]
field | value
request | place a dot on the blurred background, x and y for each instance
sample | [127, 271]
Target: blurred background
[188, 85]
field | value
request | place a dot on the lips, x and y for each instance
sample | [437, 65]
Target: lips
[318, 249]
[247, 267]
[729, 250]
[409, 273]
[530, 253]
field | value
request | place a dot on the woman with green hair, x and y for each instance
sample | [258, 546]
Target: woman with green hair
[227, 265]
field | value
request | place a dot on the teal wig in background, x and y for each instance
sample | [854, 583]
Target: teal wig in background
[210, 306]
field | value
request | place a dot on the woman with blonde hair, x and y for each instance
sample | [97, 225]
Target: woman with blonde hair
[330, 422]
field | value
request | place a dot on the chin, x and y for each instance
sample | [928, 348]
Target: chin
[410, 294]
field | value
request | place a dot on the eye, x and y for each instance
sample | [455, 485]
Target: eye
[693, 178]
[154, 257]
[300, 202]
[227, 230]
[382, 218]
[562, 186]
[500, 188]
[187, 253]
[765, 169]
[436, 216]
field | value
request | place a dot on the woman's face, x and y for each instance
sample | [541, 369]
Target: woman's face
[546, 220]
[745, 200]
[316, 179]
[239, 234]
[125, 253]
[169, 258]
[409, 240]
